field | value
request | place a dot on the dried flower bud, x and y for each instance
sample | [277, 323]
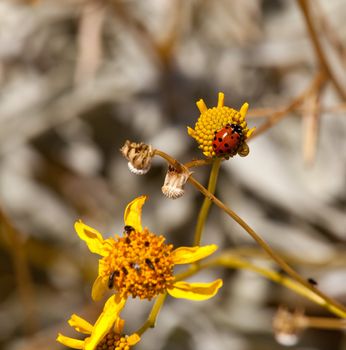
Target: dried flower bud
[287, 326]
[175, 180]
[139, 156]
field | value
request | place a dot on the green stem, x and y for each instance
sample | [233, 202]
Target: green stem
[150, 322]
[232, 261]
[277, 258]
[203, 213]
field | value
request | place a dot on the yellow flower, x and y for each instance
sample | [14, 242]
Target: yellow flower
[106, 332]
[221, 131]
[140, 263]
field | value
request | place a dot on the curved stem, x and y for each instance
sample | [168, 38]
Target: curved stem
[277, 258]
[198, 162]
[203, 213]
[232, 261]
[150, 322]
[329, 303]
[305, 8]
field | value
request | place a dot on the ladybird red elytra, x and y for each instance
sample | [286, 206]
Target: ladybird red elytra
[228, 140]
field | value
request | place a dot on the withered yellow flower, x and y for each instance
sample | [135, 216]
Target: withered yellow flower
[140, 263]
[105, 334]
[221, 131]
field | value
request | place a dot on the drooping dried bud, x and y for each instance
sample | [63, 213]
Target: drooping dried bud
[288, 326]
[175, 180]
[139, 156]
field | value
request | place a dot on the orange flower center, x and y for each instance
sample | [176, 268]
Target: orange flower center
[113, 341]
[139, 264]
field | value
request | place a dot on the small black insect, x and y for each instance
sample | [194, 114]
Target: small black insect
[128, 229]
[150, 264]
[111, 280]
[312, 281]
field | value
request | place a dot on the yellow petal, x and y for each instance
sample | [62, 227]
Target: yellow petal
[250, 132]
[70, 342]
[201, 106]
[244, 109]
[186, 255]
[99, 288]
[195, 291]
[133, 213]
[133, 339]
[105, 322]
[92, 238]
[191, 132]
[221, 100]
[80, 325]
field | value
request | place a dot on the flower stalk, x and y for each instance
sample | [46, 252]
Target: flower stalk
[203, 213]
[329, 303]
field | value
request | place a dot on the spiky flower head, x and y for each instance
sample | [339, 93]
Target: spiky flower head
[213, 121]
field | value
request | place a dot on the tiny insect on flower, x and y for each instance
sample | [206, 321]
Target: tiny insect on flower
[221, 131]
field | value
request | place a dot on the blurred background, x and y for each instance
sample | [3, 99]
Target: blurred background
[78, 78]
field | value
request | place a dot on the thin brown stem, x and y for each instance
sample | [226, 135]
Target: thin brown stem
[289, 270]
[305, 8]
[22, 273]
[296, 102]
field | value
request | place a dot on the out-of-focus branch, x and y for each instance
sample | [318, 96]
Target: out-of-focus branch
[23, 278]
[305, 8]
[90, 50]
[316, 83]
[311, 121]
[330, 33]
[264, 112]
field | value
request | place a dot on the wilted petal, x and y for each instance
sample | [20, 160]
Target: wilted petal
[186, 255]
[195, 291]
[92, 238]
[70, 342]
[80, 325]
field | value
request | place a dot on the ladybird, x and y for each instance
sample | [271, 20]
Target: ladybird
[228, 140]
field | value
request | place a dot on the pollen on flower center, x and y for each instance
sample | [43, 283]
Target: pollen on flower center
[139, 264]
